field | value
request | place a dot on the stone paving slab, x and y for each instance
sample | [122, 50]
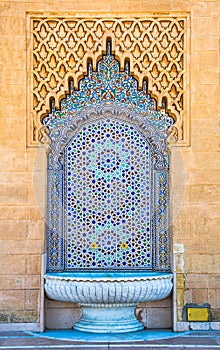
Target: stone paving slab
[204, 340]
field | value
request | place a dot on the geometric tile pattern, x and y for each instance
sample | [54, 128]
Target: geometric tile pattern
[108, 183]
[108, 85]
[107, 208]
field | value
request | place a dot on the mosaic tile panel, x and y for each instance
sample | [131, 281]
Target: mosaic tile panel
[161, 220]
[108, 85]
[55, 220]
[111, 133]
[108, 198]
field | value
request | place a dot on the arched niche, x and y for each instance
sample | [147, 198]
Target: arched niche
[107, 96]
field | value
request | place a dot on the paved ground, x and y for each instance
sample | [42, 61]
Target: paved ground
[208, 340]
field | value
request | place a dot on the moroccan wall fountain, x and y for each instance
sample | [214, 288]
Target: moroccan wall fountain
[108, 242]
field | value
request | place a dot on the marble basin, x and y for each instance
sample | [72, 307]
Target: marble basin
[108, 299]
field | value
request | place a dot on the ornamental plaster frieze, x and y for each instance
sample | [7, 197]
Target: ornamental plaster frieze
[156, 47]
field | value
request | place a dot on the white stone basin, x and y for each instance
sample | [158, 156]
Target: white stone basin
[108, 299]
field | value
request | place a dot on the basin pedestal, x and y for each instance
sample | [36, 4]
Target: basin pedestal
[110, 319]
[108, 299]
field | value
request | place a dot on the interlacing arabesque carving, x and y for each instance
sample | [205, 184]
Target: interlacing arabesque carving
[62, 47]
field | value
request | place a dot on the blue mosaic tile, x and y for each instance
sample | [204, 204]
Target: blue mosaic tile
[108, 84]
[108, 178]
[107, 203]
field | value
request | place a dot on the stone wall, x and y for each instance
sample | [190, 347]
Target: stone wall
[195, 168]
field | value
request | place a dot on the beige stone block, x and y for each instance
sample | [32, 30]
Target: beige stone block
[12, 76]
[205, 263]
[16, 316]
[200, 225]
[166, 303]
[189, 211]
[182, 228]
[205, 76]
[36, 229]
[40, 6]
[205, 110]
[14, 91]
[22, 247]
[61, 318]
[13, 212]
[205, 25]
[17, 42]
[12, 264]
[196, 281]
[199, 296]
[24, 178]
[187, 296]
[32, 200]
[216, 315]
[4, 8]
[12, 56]
[208, 8]
[205, 60]
[202, 246]
[13, 194]
[13, 161]
[12, 300]
[213, 228]
[32, 282]
[12, 282]
[10, 24]
[37, 194]
[206, 130]
[147, 6]
[35, 213]
[214, 298]
[34, 264]
[181, 6]
[199, 177]
[32, 155]
[12, 110]
[97, 6]
[159, 318]
[37, 165]
[200, 94]
[214, 281]
[205, 143]
[13, 229]
[213, 211]
[32, 299]
[202, 161]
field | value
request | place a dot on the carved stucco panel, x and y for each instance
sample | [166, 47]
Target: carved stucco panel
[155, 46]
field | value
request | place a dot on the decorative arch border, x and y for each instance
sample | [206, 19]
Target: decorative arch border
[90, 114]
[155, 45]
[160, 226]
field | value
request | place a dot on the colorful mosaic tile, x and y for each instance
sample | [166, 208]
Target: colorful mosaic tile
[108, 85]
[107, 203]
[108, 200]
